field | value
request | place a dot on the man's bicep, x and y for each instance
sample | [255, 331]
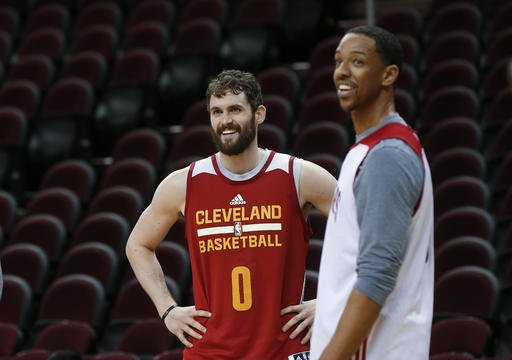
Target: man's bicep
[163, 211]
[316, 186]
[152, 227]
[391, 178]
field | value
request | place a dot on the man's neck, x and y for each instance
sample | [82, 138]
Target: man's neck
[365, 118]
[244, 162]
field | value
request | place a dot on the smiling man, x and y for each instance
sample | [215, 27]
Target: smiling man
[245, 212]
[375, 291]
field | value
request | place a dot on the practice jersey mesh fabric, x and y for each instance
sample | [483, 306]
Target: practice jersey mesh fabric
[402, 329]
[248, 244]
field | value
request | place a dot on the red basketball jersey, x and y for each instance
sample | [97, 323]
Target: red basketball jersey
[247, 240]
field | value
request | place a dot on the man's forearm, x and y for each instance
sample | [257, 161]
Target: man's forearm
[148, 271]
[353, 327]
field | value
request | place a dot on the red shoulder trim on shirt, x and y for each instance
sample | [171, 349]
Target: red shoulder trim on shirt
[290, 165]
[269, 160]
[214, 163]
[291, 173]
[393, 130]
[192, 165]
[190, 171]
[189, 180]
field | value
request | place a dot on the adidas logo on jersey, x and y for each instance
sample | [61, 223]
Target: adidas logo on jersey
[299, 356]
[237, 200]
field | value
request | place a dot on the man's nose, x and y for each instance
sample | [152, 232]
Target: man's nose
[341, 71]
[226, 118]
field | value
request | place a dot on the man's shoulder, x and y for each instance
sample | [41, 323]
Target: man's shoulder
[204, 165]
[391, 145]
[280, 160]
[392, 157]
[176, 179]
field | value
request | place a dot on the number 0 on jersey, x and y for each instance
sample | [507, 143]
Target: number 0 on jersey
[241, 288]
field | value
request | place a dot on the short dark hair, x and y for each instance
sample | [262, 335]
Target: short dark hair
[386, 44]
[236, 82]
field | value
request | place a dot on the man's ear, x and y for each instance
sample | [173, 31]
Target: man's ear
[261, 113]
[390, 75]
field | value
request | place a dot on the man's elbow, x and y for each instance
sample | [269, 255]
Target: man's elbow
[128, 249]
[132, 248]
[377, 287]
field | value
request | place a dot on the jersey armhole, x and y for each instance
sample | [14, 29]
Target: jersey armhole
[400, 132]
[189, 180]
[295, 169]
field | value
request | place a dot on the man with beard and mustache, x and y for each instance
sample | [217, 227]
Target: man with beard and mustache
[245, 211]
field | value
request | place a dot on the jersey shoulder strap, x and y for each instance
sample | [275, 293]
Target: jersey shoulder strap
[393, 131]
